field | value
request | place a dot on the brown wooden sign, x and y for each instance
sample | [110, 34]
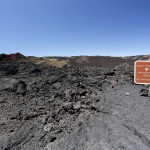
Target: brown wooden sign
[142, 72]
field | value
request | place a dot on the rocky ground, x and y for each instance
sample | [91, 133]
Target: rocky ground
[72, 108]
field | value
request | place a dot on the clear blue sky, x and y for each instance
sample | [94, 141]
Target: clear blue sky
[75, 27]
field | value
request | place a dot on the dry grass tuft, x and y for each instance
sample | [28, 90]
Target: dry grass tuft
[48, 61]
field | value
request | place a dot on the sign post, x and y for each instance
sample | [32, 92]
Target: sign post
[149, 91]
[142, 73]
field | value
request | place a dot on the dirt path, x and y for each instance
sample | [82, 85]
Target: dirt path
[124, 125]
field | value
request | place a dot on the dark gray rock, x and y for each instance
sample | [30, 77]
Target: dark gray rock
[126, 68]
[3, 121]
[91, 80]
[57, 85]
[34, 70]
[9, 68]
[68, 93]
[21, 88]
[8, 84]
[13, 85]
[144, 92]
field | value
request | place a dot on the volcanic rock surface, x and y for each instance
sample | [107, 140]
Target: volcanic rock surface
[75, 107]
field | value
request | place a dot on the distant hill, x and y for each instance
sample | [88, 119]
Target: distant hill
[80, 61]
